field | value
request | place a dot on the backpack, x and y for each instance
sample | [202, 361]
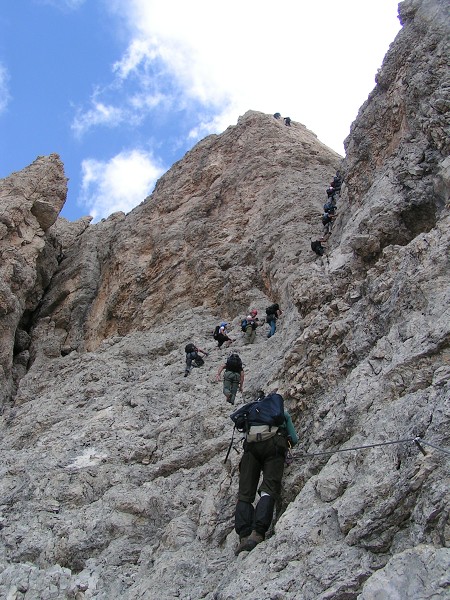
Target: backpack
[268, 411]
[272, 309]
[190, 348]
[317, 248]
[199, 362]
[244, 325]
[234, 363]
[216, 332]
[336, 183]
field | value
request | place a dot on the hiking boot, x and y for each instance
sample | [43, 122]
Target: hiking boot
[186, 373]
[248, 544]
[241, 546]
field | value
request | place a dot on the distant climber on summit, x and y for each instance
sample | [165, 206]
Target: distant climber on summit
[193, 358]
[287, 121]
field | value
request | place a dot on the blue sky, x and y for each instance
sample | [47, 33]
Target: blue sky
[121, 89]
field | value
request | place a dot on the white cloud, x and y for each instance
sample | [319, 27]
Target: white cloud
[99, 114]
[4, 88]
[313, 61]
[119, 184]
[138, 52]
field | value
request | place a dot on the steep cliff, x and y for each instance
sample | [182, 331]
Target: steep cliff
[113, 483]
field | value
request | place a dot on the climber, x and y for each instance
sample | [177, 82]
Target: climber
[193, 358]
[233, 379]
[277, 115]
[221, 335]
[273, 313]
[336, 184]
[249, 325]
[330, 207]
[327, 222]
[331, 194]
[317, 247]
[266, 456]
[287, 121]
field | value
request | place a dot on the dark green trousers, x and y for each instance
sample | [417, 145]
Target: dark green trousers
[265, 457]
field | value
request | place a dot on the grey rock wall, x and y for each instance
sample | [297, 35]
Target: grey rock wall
[113, 482]
[30, 202]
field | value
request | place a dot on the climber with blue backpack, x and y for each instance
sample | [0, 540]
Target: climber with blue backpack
[268, 434]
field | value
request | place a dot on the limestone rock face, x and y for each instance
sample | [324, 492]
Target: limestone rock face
[234, 216]
[113, 482]
[30, 202]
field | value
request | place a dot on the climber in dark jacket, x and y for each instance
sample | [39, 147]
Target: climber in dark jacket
[193, 358]
[267, 457]
[273, 313]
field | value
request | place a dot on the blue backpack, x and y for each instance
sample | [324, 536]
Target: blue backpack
[267, 411]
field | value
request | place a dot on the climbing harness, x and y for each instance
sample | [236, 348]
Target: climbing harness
[417, 440]
[289, 458]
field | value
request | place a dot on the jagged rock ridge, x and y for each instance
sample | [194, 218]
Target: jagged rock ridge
[113, 482]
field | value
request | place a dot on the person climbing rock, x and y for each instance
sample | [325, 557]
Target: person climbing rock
[331, 195]
[317, 247]
[221, 335]
[250, 323]
[233, 379]
[287, 121]
[327, 222]
[266, 456]
[193, 358]
[273, 313]
[330, 207]
[336, 184]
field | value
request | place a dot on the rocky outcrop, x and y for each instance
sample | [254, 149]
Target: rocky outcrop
[113, 482]
[30, 202]
[397, 145]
